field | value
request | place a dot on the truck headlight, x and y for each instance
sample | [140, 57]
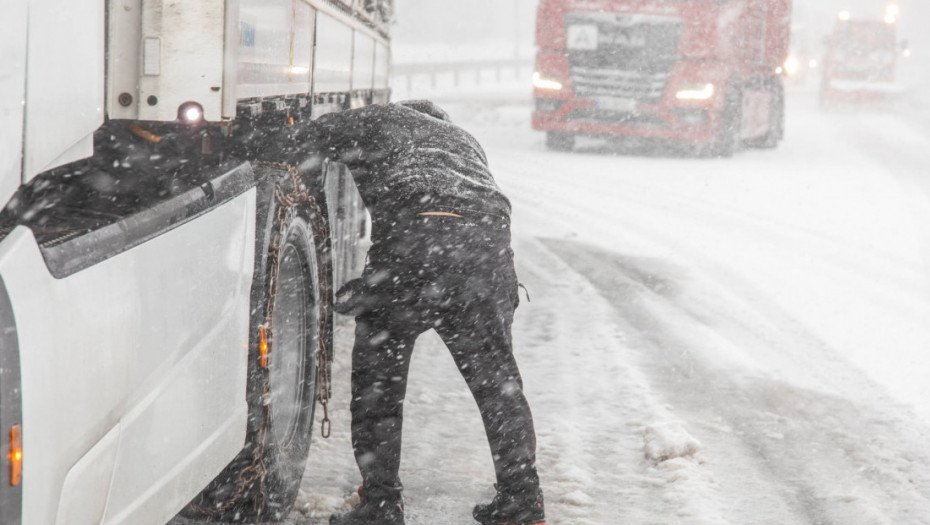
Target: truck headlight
[190, 113]
[792, 66]
[543, 81]
[703, 91]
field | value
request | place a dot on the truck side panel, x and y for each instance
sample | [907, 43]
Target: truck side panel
[12, 92]
[333, 63]
[165, 53]
[363, 62]
[169, 372]
[65, 48]
[778, 34]
[125, 19]
[182, 58]
[275, 48]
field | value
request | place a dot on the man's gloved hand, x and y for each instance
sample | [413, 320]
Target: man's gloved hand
[354, 298]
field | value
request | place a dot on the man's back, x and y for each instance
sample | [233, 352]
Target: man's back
[406, 159]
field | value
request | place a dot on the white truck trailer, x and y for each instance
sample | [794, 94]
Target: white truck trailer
[164, 323]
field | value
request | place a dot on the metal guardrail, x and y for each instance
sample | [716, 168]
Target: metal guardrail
[459, 70]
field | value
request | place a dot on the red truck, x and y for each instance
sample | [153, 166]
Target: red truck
[702, 72]
[860, 59]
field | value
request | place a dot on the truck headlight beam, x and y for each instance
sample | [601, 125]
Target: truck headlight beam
[696, 92]
[792, 66]
[542, 81]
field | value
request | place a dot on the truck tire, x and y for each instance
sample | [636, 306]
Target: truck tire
[776, 131]
[560, 141]
[728, 139]
[261, 483]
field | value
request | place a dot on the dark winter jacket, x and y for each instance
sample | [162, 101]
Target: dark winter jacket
[405, 161]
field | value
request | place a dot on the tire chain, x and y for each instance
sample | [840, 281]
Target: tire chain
[288, 200]
[300, 194]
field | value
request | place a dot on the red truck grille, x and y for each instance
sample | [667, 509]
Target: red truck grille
[602, 82]
[621, 55]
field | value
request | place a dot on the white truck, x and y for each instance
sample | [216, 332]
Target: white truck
[164, 322]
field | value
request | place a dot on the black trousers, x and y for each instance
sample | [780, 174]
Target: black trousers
[455, 276]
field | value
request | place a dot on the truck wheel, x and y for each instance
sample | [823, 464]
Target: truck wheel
[776, 131]
[560, 141]
[728, 139]
[261, 483]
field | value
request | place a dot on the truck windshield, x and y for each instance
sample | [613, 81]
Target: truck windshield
[866, 36]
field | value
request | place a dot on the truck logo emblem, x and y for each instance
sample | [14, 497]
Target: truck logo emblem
[626, 38]
[582, 37]
[587, 37]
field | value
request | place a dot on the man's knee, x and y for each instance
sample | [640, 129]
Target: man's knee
[378, 393]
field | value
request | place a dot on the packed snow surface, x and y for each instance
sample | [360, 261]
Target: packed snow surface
[708, 341]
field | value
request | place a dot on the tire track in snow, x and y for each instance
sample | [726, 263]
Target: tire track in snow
[782, 454]
[846, 291]
[592, 409]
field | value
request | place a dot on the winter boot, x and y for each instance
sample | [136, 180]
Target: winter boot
[372, 512]
[508, 509]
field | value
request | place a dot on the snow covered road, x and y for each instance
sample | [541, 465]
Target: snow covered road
[737, 341]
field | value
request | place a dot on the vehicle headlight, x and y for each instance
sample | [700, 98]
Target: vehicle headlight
[190, 113]
[703, 91]
[792, 66]
[544, 81]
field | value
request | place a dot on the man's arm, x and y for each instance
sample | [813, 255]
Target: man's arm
[342, 137]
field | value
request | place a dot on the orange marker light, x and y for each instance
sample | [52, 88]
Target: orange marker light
[263, 347]
[16, 455]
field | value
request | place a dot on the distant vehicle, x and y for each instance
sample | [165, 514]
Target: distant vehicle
[861, 59]
[701, 72]
[164, 324]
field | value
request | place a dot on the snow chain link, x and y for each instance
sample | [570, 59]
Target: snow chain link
[256, 470]
[299, 194]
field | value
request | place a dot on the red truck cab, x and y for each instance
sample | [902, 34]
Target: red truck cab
[860, 59]
[701, 72]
